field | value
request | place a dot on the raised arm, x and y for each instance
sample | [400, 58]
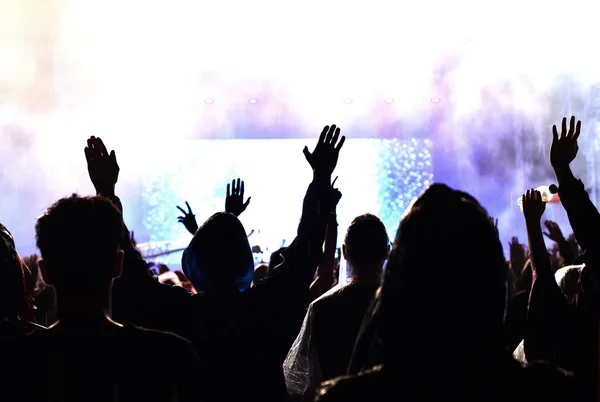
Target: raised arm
[137, 296]
[549, 310]
[325, 273]
[583, 215]
[304, 254]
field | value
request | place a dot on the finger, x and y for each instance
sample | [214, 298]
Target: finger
[334, 180]
[181, 209]
[233, 190]
[554, 133]
[547, 235]
[341, 144]
[95, 145]
[238, 185]
[228, 191]
[323, 134]
[563, 131]
[90, 144]
[336, 136]
[571, 127]
[247, 202]
[577, 130]
[103, 149]
[330, 134]
[88, 154]
[306, 153]
[188, 207]
[242, 190]
[113, 156]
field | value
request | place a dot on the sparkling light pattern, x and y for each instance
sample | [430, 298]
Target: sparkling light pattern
[404, 170]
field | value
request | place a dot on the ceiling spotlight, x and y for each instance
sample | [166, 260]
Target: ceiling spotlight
[435, 100]
[389, 100]
[348, 101]
[209, 101]
[253, 101]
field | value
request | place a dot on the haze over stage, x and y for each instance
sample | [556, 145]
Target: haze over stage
[480, 80]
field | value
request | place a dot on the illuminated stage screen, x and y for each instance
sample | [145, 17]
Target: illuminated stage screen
[376, 176]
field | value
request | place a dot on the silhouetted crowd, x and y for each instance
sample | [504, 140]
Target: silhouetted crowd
[438, 314]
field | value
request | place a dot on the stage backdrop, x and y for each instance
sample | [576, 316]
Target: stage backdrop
[379, 176]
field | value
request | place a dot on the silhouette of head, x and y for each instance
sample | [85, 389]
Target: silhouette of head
[366, 245]
[460, 299]
[219, 259]
[12, 286]
[78, 238]
[444, 292]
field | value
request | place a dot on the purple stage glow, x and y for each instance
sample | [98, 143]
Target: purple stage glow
[79, 69]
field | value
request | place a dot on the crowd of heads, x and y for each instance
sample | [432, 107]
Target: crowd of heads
[436, 311]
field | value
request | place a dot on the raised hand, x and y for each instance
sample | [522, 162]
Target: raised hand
[554, 233]
[518, 256]
[234, 203]
[533, 206]
[335, 195]
[564, 147]
[102, 167]
[188, 219]
[325, 156]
